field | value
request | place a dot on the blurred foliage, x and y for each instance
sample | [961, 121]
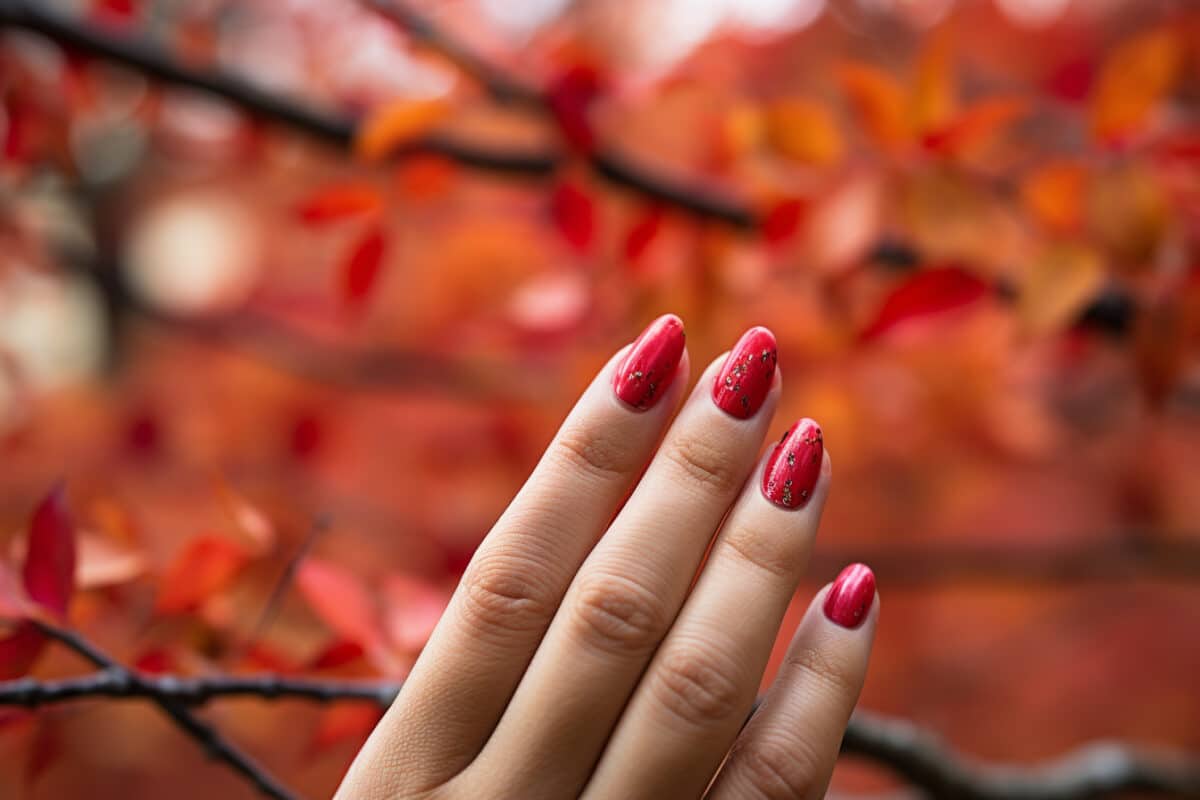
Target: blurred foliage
[976, 235]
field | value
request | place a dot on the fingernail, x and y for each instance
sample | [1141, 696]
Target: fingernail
[794, 466]
[744, 379]
[646, 372]
[851, 595]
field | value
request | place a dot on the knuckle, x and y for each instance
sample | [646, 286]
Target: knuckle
[776, 769]
[697, 685]
[822, 673]
[779, 556]
[702, 461]
[595, 452]
[503, 593]
[618, 614]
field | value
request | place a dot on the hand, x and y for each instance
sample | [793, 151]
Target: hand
[593, 650]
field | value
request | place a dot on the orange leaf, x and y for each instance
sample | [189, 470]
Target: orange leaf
[804, 131]
[879, 102]
[207, 565]
[931, 291]
[103, 562]
[346, 722]
[49, 572]
[333, 203]
[1054, 195]
[1133, 81]
[977, 126]
[1060, 282]
[397, 124]
[935, 91]
[425, 177]
[342, 602]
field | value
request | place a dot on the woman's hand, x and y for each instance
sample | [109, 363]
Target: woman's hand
[592, 649]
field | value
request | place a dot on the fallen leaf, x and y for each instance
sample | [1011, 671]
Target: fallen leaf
[207, 565]
[805, 131]
[360, 271]
[782, 220]
[1134, 80]
[570, 96]
[344, 722]
[397, 124]
[339, 202]
[337, 654]
[926, 293]
[49, 572]
[643, 232]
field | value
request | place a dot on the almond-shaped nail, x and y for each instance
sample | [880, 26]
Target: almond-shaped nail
[794, 466]
[850, 598]
[646, 372]
[745, 378]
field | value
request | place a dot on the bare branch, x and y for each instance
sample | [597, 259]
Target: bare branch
[1097, 770]
[206, 735]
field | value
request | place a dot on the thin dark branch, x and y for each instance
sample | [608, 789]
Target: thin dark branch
[913, 753]
[1097, 770]
[216, 745]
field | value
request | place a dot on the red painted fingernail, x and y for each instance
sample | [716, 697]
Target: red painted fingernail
[744, 379]
[794, 466]
[851, 595]
[647, 370]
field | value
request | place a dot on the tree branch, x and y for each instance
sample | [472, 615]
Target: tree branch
[914, 754]
[206, 735]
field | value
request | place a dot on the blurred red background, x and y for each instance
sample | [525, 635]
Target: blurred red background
[973, 227]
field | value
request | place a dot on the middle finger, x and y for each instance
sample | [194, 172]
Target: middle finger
[630, 588]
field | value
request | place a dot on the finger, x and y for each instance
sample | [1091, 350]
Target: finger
[511, 589]
[788, 750]
[630, 588]
[694, 697]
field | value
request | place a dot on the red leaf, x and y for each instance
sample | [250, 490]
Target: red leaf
[19, 650]
[643, 232]
[206, 566]
[50, 558]
[342, 602]
[361, 270]
[783, 220]
[574, 214]
[414, 607]
[14, 601]
[570, 97]
[157, 661]
[350, 721]
[334, 203]
[338, 654]
[928, 292]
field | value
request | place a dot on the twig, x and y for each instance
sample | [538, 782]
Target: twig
[1092, 771]
[206, 735]
[913, 753]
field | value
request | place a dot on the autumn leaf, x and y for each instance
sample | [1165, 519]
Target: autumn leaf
[425, 177]
[977, 126]
[574, 215]
[1054, 194]
[804, 130]
[413, 608]
[397, 124]
[339, 202]
[103, 562]
[1133, 82]
[570, 96]
[341, 601]
[1060, 282]
[934, 97]
[338, 653]
[207, 565]
[343, 723]
[19, 651]
[926, 293]
[49, 572]
[879, 102]
[360, 271]
[643, 232]
[783, 219]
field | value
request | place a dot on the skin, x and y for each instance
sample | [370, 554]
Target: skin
[582, 654]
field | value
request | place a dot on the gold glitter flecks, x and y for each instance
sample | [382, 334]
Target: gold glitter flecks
[787, 496]
[767, 355]
[728, 381]
[804, 494]
[791, 459]
[746, 402]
